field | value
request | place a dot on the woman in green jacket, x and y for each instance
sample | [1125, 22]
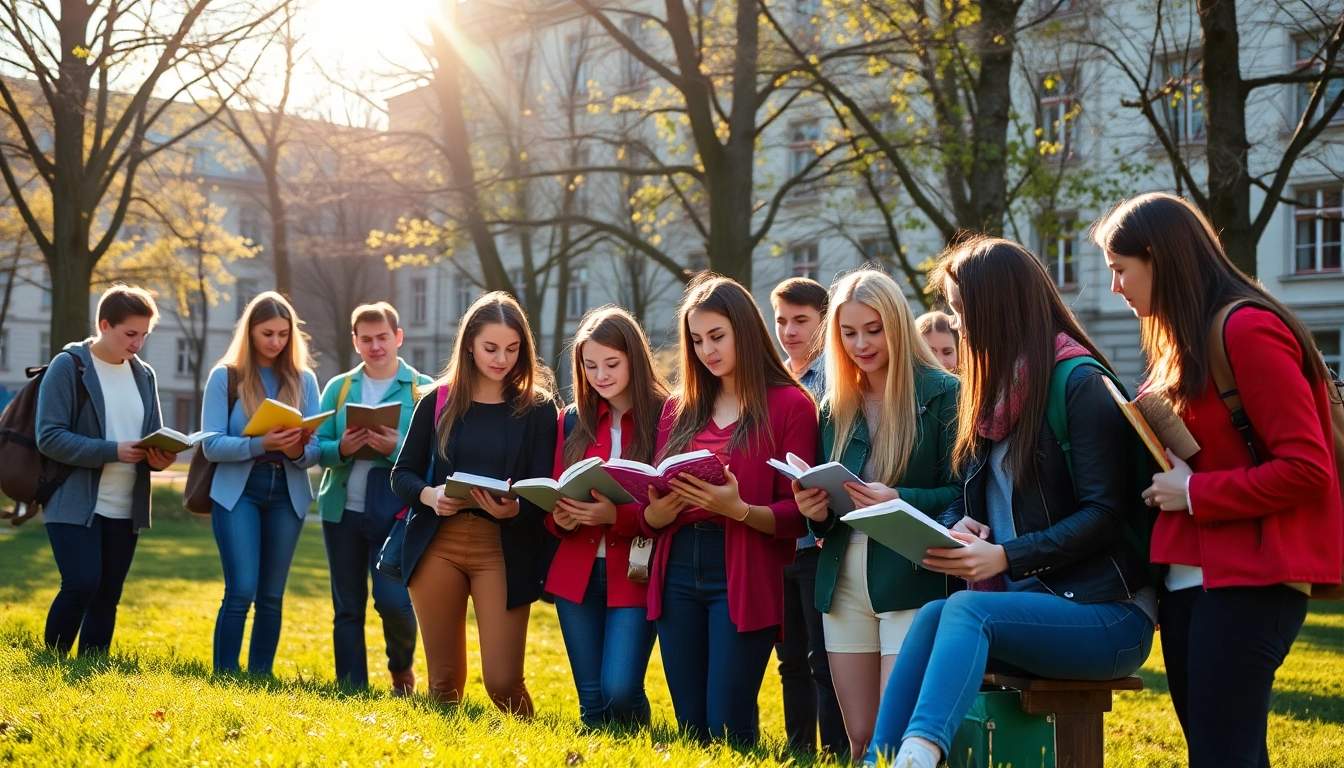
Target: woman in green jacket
[890, 418]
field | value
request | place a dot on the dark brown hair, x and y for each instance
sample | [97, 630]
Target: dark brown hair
[1192, 279]
[937, 322]
[124, 301]
[613, 327]
[1010, 311]
[758, 367]
[527, 385]
[378, 312]
[802, 292]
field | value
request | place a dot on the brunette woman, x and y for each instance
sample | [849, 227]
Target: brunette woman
[716, 588]
[261, 491]
[889, 416]
[1057, 590]
[1253, 520]
[942, 338]
[495, 417]
[618, 397]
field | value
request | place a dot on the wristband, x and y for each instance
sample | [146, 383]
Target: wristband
[744, 516]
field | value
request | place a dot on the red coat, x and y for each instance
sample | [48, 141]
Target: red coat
[755, 561]
[573, 562]
[1276, 522]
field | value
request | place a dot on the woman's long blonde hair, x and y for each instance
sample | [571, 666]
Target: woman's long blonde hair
[289, 365]
[892, 442]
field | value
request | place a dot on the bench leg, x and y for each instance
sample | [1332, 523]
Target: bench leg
[1079, 740]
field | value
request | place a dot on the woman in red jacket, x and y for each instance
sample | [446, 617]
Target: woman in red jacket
[716, 587]
[1244, 530]
[603, 613]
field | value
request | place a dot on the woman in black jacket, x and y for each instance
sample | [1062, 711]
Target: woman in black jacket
[1055, 588]
[493, 415]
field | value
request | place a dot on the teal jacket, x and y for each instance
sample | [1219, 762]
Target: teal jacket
[929, 484]
[410, 385]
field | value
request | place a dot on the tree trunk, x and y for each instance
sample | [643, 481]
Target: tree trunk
[275, 202]
[987, 180]
[70, 317]
[1229, 180]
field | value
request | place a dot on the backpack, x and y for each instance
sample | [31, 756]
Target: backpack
[201, 471]
[1220, 366]
[1139, 517]
[28, 477]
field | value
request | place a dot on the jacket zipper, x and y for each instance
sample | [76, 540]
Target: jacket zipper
[1048, 522]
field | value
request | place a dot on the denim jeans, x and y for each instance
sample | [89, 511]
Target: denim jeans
[714, 672]
[93, 563]
[256, 546]
[352, 553]
[939, 670]
[609, 653]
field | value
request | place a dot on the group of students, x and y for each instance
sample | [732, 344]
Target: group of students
[887, 654]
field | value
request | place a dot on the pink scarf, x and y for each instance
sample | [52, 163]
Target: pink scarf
[1009, 408]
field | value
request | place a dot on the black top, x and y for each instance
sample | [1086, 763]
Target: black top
[489, 439]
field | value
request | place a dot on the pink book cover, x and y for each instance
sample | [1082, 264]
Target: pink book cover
[636, 478]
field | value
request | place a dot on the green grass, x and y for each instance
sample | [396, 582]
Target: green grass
[155, 702]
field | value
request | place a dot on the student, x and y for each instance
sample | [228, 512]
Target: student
[94, 518]
[809, 697]
[498, 420]
[261, 491]
[1056, 589]
[942, 338]
[716, 586]
[889, 417]
[356, 500]
[618, 397]
[1244, 534]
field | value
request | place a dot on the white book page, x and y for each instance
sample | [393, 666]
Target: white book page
[681, 458]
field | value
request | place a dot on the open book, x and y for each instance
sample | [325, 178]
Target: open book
[459, 484]
[172, 441]
[830, 477]
[578, 483]
[1158, 425]
[900, 527]
[636, 477]
[274, 413]
[371, 417]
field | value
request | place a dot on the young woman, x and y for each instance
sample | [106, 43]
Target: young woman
[889, 417]
[942, 338]
[261, 489]
[94, 518]
[618, 397]
[1056, 589]
[1244, 532]
[495, 417]
[716, 586]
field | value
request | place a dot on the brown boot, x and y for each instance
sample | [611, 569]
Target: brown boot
[403, 682]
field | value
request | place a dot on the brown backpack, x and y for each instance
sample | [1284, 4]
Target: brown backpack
[201, 472]
[28, 477]
[1221, 368]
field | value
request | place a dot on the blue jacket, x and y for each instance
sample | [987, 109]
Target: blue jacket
[235, 455]
[77, 438]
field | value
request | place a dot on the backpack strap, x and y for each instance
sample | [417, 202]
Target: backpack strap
[232, 372]
[1056, 407]
[1220, 366]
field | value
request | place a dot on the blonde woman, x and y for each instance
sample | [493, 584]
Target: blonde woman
[261, 490]
[890, 418]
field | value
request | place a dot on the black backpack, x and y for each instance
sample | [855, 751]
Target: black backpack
[28, 477]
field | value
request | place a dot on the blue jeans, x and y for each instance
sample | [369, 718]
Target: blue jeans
[714, 672]
[93, 562]
[256, 545]
[352, 553]
[938, 672]
[609, 653]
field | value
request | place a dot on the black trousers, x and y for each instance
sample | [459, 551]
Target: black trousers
[804, 670]
[1222, 648]
[93, 562]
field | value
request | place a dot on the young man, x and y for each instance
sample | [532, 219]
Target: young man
[356, 500]
[800, 308]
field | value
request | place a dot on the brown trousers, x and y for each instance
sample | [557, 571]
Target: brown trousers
[465, 560]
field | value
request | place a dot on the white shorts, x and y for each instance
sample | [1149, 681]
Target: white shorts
[852, 626]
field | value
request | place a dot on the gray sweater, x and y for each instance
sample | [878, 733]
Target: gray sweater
[77, 439]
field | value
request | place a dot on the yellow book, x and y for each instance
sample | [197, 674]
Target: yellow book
[273, 413]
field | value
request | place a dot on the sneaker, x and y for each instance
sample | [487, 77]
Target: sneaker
[403, 682]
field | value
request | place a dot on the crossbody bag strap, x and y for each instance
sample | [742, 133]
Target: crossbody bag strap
[1220, 366]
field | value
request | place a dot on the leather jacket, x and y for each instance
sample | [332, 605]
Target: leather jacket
[1072, 542]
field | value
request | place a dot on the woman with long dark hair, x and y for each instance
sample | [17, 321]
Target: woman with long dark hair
[1253, 521]
[716, 585]
[1056, 588]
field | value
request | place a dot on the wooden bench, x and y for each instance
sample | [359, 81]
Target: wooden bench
[1077, 707]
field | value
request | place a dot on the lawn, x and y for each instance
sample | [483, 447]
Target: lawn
[154, 701]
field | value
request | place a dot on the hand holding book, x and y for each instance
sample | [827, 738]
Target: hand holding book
[723, 499]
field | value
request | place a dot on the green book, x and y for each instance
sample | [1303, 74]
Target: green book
[901, 528]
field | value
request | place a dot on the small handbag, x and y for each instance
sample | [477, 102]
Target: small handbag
[381, 504]
[390, 556]
[641, 552]
[201, 471]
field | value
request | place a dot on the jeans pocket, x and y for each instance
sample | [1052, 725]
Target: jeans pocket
[1128, 660]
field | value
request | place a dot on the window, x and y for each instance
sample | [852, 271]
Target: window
[183, 367]
[578, 68]
[633, 70]
[1316, 238]
[1309, 53]
[1185, 103]
[697, 262]
[419, 300]
[879, 251]
[1058, 245]
[250, 223]
[247, 289]
[4, 350]
[1328, 343]
[44, 348]
[803, 139]
[1055, 116]
[464, 294]
[419, 359]
[577, 302]
[803, 261]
